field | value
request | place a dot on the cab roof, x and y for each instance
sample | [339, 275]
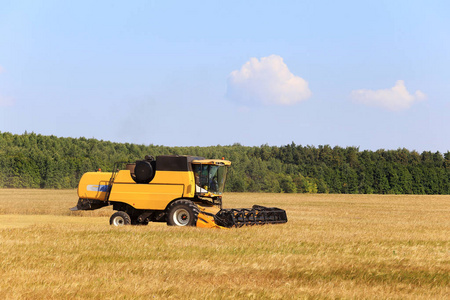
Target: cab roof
[217, 162]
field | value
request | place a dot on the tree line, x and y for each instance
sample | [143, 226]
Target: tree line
[32, 160]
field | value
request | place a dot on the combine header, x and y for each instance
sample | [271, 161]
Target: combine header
[179, 190]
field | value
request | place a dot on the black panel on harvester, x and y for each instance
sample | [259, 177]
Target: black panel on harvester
[175, 162]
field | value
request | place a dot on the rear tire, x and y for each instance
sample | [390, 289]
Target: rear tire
[182, 213]
[120, 218]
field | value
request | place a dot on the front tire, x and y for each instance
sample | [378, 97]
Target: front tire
[120, 218]
[182, 213]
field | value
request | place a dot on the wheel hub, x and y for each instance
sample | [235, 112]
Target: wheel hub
[119, 221]
[181, 217]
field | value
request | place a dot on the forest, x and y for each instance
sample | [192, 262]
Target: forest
[32, 160]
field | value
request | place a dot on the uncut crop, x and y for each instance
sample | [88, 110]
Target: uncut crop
[333, 246]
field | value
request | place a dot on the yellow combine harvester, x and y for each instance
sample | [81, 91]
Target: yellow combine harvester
[179, 190]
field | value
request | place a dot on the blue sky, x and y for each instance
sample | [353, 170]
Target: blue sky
[374, 75]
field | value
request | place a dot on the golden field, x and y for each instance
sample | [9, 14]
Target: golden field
[334, 246]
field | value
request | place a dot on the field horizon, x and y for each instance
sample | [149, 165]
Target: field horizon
[333, 246]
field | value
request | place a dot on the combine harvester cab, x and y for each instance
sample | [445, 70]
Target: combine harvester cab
[178, 190]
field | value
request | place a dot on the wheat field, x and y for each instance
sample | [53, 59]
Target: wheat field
[333, 246]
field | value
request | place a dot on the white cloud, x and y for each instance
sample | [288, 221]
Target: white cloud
[395, 98]
[266, 81]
